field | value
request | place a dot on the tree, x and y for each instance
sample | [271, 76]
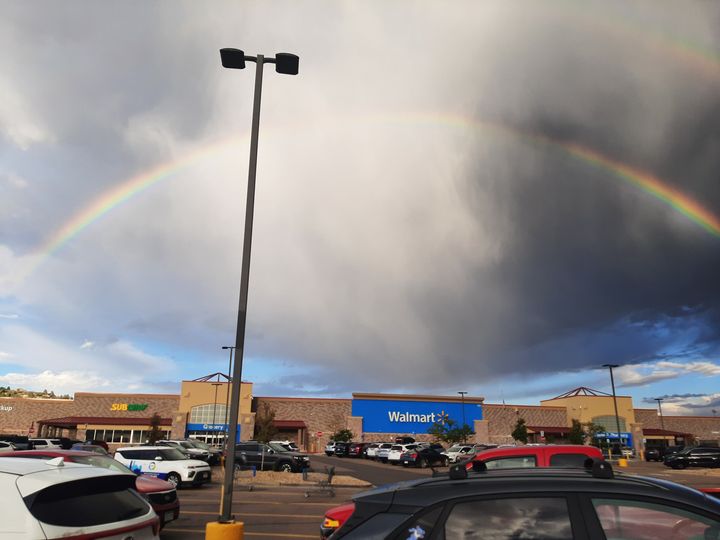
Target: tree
[577, 433]
[520, 433]
[592, 429]
[447, 431]
[265, 429]
[155, 433]
[342, 435]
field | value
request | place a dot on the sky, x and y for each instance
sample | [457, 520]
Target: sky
[497, 198]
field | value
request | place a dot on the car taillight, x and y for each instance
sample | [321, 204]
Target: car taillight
[336, 517]
[414, 456]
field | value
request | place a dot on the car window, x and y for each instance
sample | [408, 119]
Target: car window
[568, 460]
[516, 462]
[640, 520]
[102, 461]
[421, 525]
[396, 447]
[539, 518]
[170, 454]
[87, 502]
[248, 447]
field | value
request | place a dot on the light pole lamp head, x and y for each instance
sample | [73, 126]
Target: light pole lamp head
[286, 63]
[232, 58]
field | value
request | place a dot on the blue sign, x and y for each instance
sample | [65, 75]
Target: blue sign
[211, 427]
[625, 438]
[387, 416]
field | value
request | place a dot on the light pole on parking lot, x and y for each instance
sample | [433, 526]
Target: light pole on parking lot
[462, 399]
[662, 420]
[227, 393]
[617, 416]
[288, 64]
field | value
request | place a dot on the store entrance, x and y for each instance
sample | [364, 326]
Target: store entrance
[213, 438]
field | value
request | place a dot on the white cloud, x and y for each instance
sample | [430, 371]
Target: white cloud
[60, 382]
[644, 374]
[18, 124]
[4, 354]
[9, 316]
[87, 344]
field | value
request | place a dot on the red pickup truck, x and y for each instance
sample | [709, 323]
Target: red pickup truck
[551, 455]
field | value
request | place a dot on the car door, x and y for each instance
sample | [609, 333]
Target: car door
[249, 452]
[535, 516]
[624, 517]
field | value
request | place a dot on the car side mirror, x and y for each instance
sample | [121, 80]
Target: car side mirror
[158, 458]
[271, 451]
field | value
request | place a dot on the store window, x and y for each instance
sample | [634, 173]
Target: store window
[210, 413]
[610, 423]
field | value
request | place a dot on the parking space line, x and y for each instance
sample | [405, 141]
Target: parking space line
[249, 514]
[266, 535]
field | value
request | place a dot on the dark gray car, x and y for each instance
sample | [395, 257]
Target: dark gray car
[269, 457]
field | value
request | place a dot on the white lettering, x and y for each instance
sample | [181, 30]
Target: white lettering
[5, 408]
[397, 416]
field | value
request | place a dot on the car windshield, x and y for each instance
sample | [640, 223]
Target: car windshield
[103, 462]
[455, 448]
[397, 447]
[200, 444]
[386, 445]
[171, 454]
[186, 444]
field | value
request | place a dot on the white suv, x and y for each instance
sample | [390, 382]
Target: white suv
[398, 450]
[53, 499]
[459, 451]
[165, 463]
[45, 444]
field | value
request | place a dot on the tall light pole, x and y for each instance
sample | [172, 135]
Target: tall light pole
[227, 393]
[288, 64]
[462, 399]
[617, 416]
[662, 420]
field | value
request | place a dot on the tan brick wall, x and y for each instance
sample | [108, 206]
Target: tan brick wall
[24, 412]
[702, 427]
[87, 404]
[320, 415]
[502, 419]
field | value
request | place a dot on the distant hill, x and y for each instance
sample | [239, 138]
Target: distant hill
[6, 391]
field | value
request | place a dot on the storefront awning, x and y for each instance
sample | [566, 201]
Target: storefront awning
[289, 424]
[72, 422]
[652, 432]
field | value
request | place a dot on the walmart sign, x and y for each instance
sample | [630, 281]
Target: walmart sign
[385, 416]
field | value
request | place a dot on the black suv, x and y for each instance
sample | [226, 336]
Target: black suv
[269, 457]
[504, 504]
[694, 457]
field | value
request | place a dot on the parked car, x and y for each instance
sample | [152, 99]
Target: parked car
[290, 445]
[425, 456]
[661, 452]
[18, 441]
[6, 447]
[628, 453]
[161, 495]
[551, 455]
[397, 450]
[90, 448]
[330, 448]
[459, 452]
[165, 463]
[215, 453]
[528, 503]
[370, 450]
[186, 447]
[43, 444]
[342, 449]
[269, 457]
[53, 500]
[381, 454]
[404, 440]
[700, 456]
[96, 442]
[357, 449]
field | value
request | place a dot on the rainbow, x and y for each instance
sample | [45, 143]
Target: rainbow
[135, 185]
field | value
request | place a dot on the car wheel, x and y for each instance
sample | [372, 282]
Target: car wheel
[174, 479]
[679, 465]
[285, 467]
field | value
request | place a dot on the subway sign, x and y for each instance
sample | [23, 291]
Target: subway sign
[128, 406]
[388, 416]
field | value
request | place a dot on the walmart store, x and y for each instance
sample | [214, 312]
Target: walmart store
[200, 411]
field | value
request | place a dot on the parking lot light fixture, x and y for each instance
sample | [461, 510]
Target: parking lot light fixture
[617, 416]
[288, 64]
[662, 420]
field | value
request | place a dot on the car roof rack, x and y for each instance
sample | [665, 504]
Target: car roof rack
[597, 467]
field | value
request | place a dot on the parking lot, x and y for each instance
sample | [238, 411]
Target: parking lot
[271, 512]
[276, 512]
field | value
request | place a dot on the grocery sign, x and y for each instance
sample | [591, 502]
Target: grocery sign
[388, 416]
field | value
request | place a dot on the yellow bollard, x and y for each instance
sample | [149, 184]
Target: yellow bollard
[622, 462]
[234, 530]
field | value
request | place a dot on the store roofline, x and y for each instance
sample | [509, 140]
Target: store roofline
[418, 397]
[123, 394]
